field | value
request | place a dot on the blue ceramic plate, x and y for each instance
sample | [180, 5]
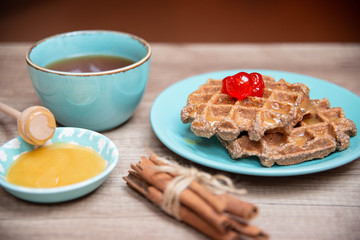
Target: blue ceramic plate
[166, 123]
[11, 150]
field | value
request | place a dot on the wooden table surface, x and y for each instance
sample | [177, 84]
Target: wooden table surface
[323, 205]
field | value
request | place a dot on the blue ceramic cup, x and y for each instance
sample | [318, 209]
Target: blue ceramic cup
[98, 100]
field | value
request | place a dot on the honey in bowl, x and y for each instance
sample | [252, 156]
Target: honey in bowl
[89, 63]
[55, 165]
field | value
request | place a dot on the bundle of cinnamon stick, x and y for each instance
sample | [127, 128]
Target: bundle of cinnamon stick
[221, 217]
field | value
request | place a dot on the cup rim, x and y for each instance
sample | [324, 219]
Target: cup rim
[80, 32]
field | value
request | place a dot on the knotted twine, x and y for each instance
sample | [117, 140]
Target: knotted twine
[217, 184]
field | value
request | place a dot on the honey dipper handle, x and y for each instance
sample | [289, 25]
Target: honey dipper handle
[9, 110]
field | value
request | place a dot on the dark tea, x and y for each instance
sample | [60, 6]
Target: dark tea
[89, 63]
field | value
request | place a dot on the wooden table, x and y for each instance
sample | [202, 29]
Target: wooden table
[324, 205]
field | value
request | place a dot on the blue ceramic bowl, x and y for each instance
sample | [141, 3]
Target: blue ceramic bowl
[97, 101]
[11, 150]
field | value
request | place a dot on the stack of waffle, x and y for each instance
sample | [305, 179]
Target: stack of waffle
[283, 127]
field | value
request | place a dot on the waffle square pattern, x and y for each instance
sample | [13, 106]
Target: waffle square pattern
[316, 136]
[212, 112]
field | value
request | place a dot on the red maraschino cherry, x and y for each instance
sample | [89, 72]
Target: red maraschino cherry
[224, 85]
[242, 85]
[258, 85]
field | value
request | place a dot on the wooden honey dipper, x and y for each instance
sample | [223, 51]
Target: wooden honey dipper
[35, 124]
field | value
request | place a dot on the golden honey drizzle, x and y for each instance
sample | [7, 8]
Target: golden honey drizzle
[334, 119]
[192, 141]
[311, 121]
[55, 165]
[300, 139]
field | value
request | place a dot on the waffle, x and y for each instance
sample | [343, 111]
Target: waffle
[212, 112]
[315, 136]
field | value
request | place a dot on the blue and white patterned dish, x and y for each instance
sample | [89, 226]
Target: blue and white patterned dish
[11, 150]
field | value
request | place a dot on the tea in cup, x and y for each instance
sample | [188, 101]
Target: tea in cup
[90, 79]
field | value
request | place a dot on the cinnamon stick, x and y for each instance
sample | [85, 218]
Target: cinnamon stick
[222, 202]
[197, 205]
[146, 170]
[248, 230]
[239, 207]
[154, 195]
[216, 203]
